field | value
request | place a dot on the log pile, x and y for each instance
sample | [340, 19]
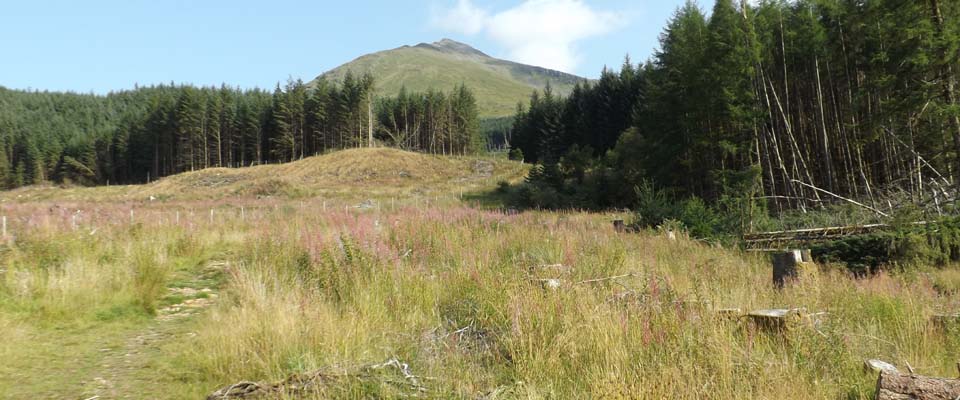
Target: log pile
[764, 241]
[778, 239]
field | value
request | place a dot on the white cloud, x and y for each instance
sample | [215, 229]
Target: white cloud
[465, 18]
[537, 32]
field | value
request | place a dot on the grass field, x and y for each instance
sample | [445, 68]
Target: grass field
[353, 266]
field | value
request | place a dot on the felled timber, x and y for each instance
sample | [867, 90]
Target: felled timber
[313, 384]
[813, 233]
[898, 386]
[779, 239]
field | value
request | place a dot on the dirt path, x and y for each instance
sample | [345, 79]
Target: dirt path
[127, 368]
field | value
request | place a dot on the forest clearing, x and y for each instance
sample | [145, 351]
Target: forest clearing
[471, 302]
[618, 199]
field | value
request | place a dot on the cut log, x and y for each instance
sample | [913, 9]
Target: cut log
[897, 386]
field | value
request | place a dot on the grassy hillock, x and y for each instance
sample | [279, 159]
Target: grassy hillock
[353, 173]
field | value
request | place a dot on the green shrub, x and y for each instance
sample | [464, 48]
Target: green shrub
[654, 206]
[503, 187]
[700, 220]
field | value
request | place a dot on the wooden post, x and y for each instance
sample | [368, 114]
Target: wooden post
[178, 217]
[4, 226]
[243, 215]
[211, 215]
[131, 216]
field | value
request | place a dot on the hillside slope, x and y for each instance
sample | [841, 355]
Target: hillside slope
[498, 84]
[345, 174]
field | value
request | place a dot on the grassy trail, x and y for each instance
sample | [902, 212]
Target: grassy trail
[128, 359]
[128, 368]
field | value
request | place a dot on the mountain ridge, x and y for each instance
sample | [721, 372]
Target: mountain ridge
[499, 85]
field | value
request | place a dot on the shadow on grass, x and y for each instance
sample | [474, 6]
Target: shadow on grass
[489, 199]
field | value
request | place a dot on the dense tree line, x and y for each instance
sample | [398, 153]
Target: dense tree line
[773, 104]
[497, 132]
[431, 122]
[149, 132]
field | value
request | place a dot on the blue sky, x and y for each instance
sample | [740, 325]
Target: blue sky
[100, 45]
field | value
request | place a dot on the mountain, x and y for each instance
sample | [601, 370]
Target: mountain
[498, 84]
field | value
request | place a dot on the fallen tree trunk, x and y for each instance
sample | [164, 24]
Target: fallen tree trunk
[317, 383]
[897, 386]
[780, 238]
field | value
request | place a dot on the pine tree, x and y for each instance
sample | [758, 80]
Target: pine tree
[283, 140]
[189, 119]
[5, 172]
[729, 68]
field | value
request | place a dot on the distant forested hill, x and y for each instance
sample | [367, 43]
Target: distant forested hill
[142, 134]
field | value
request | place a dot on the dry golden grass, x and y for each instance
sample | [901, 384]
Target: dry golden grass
[456, 292]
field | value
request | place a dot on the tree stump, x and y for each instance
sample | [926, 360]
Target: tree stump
[945, 321]
[897, 386]
[776, 320]
[792, 265]
[619, 225]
